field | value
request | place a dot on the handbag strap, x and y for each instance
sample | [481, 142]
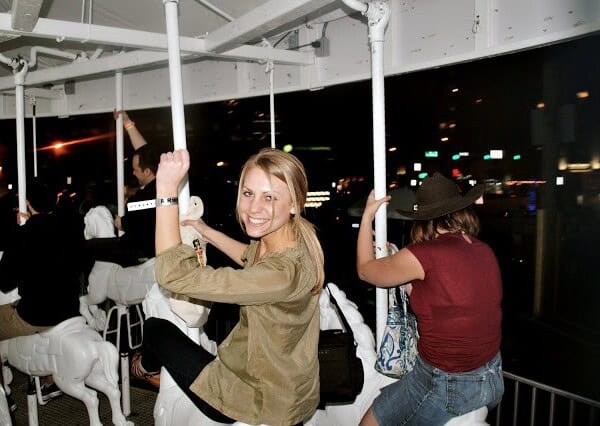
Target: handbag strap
[341, 313]
[393, 299]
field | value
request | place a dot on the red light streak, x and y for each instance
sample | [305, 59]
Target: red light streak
[58, 145]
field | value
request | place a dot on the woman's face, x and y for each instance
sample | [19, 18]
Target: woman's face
[265, 204]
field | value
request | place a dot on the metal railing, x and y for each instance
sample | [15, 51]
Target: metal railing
[535, 403]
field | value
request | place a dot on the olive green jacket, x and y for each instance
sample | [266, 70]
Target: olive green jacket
[267, 370]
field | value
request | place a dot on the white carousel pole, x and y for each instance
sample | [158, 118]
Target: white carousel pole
[177, 113]
[125, 394]
[378, 15]
[34, 131]
[270, 69]
[21, 162]
[119, 145]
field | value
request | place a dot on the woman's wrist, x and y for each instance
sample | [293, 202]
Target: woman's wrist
[166, 191]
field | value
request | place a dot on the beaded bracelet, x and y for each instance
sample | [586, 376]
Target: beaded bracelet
[129, 125]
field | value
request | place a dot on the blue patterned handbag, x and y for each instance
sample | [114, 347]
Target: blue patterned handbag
[398, 350]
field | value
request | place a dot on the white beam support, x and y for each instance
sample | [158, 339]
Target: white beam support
[35, 92]
[25, 14]
[98, 34]
[259, 21]
[52, 29]
[136, 59]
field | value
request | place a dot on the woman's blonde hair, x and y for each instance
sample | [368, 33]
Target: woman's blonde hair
[464, 220]
[287, 168]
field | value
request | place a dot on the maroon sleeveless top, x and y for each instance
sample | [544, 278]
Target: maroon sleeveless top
[458, 303]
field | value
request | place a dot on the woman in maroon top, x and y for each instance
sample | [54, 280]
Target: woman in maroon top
[455, 293]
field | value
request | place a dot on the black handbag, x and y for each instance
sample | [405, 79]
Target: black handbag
[340, 371]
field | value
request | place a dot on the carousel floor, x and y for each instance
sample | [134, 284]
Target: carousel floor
[66, 410]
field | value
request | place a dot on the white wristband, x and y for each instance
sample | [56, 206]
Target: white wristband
[166, 201]
[150, 204]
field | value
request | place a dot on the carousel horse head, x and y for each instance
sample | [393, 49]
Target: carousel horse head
[99, 223]
[76, 356]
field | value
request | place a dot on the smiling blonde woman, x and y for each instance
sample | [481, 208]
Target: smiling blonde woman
[267, 369]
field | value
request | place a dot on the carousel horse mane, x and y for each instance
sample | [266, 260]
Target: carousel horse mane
[76, 356]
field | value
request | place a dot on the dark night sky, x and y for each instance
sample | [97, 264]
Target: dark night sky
[340, 117]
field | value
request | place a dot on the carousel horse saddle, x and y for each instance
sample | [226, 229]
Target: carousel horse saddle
[472, 418]
[47, 342]
[124, 286]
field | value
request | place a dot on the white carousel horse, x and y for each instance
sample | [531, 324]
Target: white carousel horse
[175, 408]
[5, 299]
[351, 414]
[109, 280]
[76, 356]
[127, 286]
[172, 405]
[124, 286]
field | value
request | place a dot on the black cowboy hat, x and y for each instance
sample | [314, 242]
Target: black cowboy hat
[439, 196]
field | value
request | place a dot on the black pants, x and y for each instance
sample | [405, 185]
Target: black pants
[114, 250]
[167, 346]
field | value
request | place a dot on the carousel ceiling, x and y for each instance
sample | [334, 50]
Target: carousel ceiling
[101, 28]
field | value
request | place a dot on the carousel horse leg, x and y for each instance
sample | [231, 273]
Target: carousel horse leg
[4, 410]
[79, 391]
[7, 376]
[94, 316]
[98, 381]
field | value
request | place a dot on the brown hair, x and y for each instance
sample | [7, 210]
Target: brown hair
[464, 220]
[287, 168]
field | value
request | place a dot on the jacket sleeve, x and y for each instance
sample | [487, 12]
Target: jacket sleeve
[267, 281]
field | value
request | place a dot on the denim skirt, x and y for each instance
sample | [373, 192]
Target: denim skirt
[430, 396]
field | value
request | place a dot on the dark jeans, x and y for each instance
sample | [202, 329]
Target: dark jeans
[167, 346]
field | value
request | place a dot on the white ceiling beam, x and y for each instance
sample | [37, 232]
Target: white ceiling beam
[25, 14]
[99, 34]
[36, 92]
[103, 35]
[129, 60]
[259, 21]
